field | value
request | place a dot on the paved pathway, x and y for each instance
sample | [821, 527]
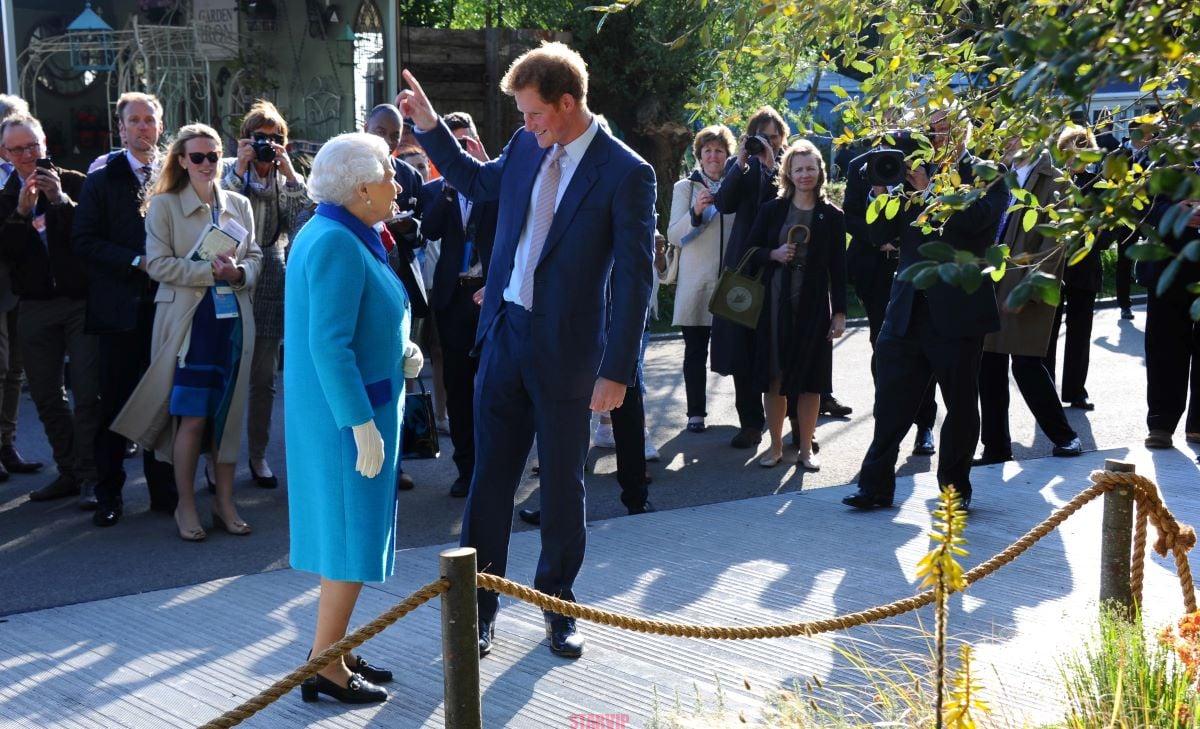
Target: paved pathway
[178, 657]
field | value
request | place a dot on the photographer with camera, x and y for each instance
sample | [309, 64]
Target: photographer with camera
[934, 334]
[874, 251]
[263, 172]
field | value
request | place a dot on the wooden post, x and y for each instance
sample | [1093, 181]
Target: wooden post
[460, 640]
[1116, 542]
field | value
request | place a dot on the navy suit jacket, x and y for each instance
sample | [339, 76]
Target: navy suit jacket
[603, 230]
[443, 221]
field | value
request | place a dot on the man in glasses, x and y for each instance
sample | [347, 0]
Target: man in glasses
[263, 172]
[37, 209]
[110, 233]
[11, 370]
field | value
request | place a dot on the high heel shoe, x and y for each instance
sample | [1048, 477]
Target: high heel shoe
[359, 665]
[191, 535]
[263, 482]
[358, 690]
[238, 528]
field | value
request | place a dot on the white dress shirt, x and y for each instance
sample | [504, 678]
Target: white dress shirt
[568, 163]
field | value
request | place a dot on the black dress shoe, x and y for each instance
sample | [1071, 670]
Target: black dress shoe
[531, 516]
[373, 674]
[13, 463]
[1069, 449]
[923, 443]
[988, 459]
[404, 482]
[831, 407]
[645, 508]
[1126, 312]
[964, 502]
[106, 515]
[866, 502]
[696, 427]
[487, 636]
[263, 482]
[58, 488]
[747, 438]
[565, 641]
[461, 487]
[1083, 404]
[358, 690]
[131, 449]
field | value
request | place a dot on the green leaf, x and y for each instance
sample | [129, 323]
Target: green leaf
[1029, 219]
[926, 278]
[1079, 255]
[839, 91]
[1148, 252]
[937, 251]
[970, 277]
[1195, 311]
[874, 208]
[892, 208]
[1050, 295]
[910, 273]
[1191, 251]
[863, 66]
[995, 255]
[1020, 295]
[999, 272]
[1167, 277]
[950, 273]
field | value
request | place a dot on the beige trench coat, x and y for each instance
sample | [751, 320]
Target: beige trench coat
[174, 223]
[1027, 332]
[699, 259]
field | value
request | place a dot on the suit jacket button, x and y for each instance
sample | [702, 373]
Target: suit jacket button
[199, 294]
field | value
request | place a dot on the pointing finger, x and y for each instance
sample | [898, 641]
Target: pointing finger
[414, 85]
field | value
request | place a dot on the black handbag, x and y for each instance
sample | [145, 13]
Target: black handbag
[418, 435]
[738, 298]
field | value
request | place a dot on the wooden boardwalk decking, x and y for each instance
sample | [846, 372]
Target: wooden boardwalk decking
[177, 658]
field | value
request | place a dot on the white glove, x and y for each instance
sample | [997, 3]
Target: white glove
[413, 361]
[369, 443]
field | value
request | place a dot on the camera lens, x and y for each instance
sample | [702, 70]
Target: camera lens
[754, 145]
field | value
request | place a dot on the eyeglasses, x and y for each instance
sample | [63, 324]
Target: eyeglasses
[199, 157]
[33, 148]
[276, 138]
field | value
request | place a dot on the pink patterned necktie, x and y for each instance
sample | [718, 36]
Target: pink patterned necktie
[543, 216]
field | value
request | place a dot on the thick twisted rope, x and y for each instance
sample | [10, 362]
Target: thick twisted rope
[271, 694]
[1173, 536]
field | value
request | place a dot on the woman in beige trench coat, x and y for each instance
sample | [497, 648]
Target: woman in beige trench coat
[195, 388]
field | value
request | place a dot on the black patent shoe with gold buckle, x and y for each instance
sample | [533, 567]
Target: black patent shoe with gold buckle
[374, 674]
[358, 690]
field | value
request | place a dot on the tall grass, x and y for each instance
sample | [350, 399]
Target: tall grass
[1122, 680]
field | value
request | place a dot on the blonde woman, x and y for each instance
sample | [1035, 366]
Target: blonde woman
[193, 396]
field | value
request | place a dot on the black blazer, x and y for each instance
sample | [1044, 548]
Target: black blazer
[443, 221]
[1088, 274]
[806, 354]
[109, 232]
[42, 270]
[955, 313]
[404, 261]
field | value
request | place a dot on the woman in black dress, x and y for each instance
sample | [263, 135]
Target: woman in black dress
[800, 241]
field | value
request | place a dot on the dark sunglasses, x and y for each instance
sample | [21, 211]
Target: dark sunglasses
[199, 157]
[276, 138]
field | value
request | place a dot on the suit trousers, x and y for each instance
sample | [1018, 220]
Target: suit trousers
[511, 406]
[908, 365]
[260, 401]
[456, 329]
[49, 331]
[1172, 362]
[629, 432]
[1033, 380]
[695, 369]
[1077, 308]
[873, 284]
[11, 374]
[123, 359]
[1124, 272]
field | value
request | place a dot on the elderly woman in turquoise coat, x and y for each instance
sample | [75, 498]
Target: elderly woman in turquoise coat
[347, 356]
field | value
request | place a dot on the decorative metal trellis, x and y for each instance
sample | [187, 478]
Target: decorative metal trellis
[162, 60]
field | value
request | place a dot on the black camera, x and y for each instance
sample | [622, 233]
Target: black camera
[463, 143]
[755, 145]
[886, 165]
[263, 151]
[44, 163]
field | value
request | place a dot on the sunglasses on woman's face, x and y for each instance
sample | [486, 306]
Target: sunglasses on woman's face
[198, 158]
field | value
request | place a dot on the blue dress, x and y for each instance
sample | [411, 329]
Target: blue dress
[346, 322]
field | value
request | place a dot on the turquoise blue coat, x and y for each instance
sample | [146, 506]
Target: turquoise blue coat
[346, 322]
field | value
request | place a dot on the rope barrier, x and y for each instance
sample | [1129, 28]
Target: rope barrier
[1173, 538]
[271, 694]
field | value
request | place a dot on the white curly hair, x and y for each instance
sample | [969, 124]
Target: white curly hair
[346, 162]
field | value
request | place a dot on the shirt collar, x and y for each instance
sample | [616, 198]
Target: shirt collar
[365, 233]
[191, 202]
[134, 164]
[576, 149]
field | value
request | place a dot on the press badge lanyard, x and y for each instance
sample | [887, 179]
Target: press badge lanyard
[224, 300]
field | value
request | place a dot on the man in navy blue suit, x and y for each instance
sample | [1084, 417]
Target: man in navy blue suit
[576, 219]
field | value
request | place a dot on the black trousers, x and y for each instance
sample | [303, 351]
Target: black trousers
[1124, 272]
[695, 369]
[908, 365]
[1172, 362]
[1033, 380]
[628, 424]
[123, 359]
[749, 404]
[1077, 308]
[873, 284]
[456, 325]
